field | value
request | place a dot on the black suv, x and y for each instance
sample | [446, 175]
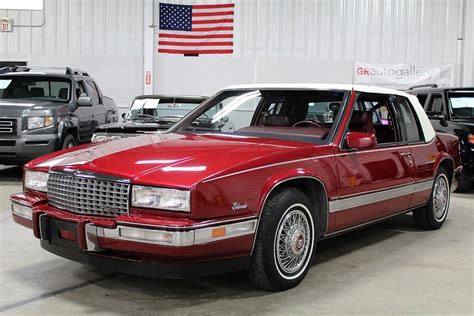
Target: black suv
[46, 109]
[451, 110]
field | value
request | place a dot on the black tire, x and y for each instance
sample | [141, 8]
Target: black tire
[428, 217]
[464, 184]
[266, 269]
[68, 142]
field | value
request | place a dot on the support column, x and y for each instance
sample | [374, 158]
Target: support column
[148, 46]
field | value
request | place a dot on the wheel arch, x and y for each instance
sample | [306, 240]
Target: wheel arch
[312, 186]
[447, 163]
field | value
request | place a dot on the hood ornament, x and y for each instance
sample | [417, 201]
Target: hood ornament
[90, 154]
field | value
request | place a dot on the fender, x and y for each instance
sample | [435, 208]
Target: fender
[65, 124]
[285, 176]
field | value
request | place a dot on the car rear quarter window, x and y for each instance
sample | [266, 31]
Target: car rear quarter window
[422, 99]
[409, 122]
[436, 103]
[93, 91]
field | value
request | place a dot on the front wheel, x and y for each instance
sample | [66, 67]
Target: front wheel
[433, 214]
[285, 241]
[68, 142]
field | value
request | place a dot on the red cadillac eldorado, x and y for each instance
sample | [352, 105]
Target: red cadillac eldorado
[251, 179]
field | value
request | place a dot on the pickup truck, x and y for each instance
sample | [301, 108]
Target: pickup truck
[43, 110]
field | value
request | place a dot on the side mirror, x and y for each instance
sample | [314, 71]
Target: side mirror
[84, 101]
[123, 115]
[358, 140]
[437, 116]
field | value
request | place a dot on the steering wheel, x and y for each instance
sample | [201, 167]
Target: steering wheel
[306, 122]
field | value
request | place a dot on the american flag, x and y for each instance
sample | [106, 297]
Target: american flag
[196, 29]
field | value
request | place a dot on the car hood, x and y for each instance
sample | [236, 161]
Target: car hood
[17, 107]
[176, 160]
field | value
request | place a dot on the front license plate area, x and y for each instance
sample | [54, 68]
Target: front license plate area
[58, 233]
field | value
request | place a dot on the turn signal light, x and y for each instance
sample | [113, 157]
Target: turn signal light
[218, 232]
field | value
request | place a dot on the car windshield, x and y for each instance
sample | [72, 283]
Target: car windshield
[155, 109]
[35, 88]
[462, 105]
[306, 115]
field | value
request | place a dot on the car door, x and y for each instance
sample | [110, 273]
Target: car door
[373, 183]
[98, 108]
[83, 113]
[423, 154]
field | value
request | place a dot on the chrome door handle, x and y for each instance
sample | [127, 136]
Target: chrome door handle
[406, 155]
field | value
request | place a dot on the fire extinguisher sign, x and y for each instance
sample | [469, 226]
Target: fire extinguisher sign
[148, 77]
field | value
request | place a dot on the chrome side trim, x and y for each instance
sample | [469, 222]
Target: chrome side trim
[422, 186]
[200, 225]
[167, 237]
[91, 237]
[371, 197]
[348, 229]
[204, 235]
[21, 202]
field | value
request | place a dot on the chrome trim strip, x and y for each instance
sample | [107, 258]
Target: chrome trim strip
[194, 226]
[176, 238]
[91, 237]
[342, 231]
[371, 197]
[21, 202]
[204, 235]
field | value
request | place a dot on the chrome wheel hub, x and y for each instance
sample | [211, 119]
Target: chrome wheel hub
[440, 197]
[292, 241]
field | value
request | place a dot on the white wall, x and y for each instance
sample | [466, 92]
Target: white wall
[275, 41]
[318, 41]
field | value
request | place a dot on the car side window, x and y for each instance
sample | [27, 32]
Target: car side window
[80, 89]
[373, 114]
[436, 103]
[93, 91]
[422, 98]
[410, 124]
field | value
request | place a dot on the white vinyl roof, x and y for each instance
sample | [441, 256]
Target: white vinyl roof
[427, 128]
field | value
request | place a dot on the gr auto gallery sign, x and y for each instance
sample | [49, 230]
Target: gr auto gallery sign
[403, 75]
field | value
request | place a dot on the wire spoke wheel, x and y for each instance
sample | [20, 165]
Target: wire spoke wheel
[440, 197]
[292, 241]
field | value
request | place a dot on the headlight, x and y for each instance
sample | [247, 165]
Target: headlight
[39, 121]
[161, 198]
[37, 181]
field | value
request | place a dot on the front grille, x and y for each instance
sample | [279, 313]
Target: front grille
[87, 195]
[7, 126]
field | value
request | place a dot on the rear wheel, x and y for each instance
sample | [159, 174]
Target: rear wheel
[433, 214]
[464, 184]
[68, 142]
[285, 241]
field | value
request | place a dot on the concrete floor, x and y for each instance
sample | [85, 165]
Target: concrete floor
[389, 268]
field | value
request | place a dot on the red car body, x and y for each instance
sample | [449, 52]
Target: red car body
[230, 178]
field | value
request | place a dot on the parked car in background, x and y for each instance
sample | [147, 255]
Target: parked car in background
[451, 110]
[46, 109]
[270, 174]
[148, 114]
